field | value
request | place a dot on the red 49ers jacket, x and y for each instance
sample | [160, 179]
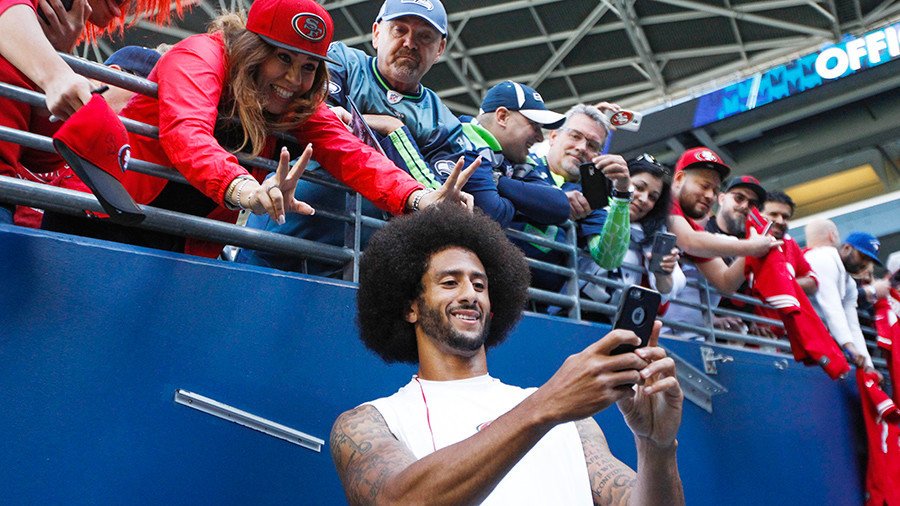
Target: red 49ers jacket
[191, 79]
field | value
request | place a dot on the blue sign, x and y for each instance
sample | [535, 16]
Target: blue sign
[833, 62]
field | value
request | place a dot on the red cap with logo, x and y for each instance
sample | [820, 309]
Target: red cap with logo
[702, 158]
[302, 26]
[95, 144]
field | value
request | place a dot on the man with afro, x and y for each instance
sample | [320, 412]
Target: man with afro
[437, 288]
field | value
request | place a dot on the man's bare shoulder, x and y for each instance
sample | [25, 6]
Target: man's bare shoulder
[366, 453]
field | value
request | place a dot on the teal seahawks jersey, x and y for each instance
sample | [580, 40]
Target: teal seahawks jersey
[435, 131]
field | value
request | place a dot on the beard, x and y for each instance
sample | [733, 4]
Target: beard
[439, 329]
[735, 224]
[406, 62]
[690, 209]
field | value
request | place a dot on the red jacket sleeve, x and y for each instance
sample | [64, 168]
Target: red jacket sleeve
[191, 77]
[356, 164]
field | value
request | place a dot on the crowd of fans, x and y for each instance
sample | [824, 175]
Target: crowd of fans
[405, 150]
[370, 123]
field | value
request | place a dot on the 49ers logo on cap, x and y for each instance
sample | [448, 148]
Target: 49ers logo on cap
[124, 157]
[621, 118]
[706, 156]
[309, 26]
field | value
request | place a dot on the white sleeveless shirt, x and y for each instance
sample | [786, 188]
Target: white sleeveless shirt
[552, 472]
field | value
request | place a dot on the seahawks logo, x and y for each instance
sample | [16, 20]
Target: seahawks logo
[444, 167]
[124, 157]
[309, 26]
[424, 3]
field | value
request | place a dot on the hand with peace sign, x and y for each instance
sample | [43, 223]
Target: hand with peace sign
[275, 195]
[450, 191]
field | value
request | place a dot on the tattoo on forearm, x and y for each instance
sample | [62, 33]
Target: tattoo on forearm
[611, 481]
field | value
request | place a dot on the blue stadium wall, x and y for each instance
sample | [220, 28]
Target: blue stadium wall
[96, 338]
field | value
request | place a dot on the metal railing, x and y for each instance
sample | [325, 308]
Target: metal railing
[20, 192]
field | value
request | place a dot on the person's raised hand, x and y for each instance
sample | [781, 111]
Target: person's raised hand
[759, 245]
[275, 195]
[615, 169]
[653, 410]
[668, 262]
[451, 190]
[591, 380]
[61, 27]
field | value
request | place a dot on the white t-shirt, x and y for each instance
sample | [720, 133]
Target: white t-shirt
[835, 299]
[552, 472]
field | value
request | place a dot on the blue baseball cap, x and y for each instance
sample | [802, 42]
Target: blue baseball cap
[867, 244]
[429, 10]
[136, 60]
[522, 98]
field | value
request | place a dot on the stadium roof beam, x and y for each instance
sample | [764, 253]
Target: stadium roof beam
[835, 23]
[885, 10]
[570, 43]
[737, 33]
[746, 16]
[640, 43]
[792, 43]
[354, 24]
[600, 95]
[543, 29]
[468, 62]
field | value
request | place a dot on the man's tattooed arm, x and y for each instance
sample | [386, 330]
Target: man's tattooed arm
[366, 454]
[611, 480]
[613, 483]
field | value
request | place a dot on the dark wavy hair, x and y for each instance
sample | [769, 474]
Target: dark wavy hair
[780, 197]
[247, 51]
[391, 270]
[656, 218]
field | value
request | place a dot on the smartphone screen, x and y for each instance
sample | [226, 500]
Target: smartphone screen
[637, 312]
[594, 186]
[663, 242]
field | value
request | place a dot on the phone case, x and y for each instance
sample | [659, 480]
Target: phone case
[637, 312]
[594, 186]
[663, 242]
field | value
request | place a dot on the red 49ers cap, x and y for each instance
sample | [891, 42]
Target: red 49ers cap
[302, 26]
[702, 158]
[94, 143]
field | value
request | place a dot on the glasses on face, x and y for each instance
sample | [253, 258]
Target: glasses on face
[741, 199]
[593, 147]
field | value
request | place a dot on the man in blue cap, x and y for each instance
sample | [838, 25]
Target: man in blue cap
[836, 298]
[511, 120]
[413, 125]
[134, 60]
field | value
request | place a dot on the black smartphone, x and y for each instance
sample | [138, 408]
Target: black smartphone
[637, 312]
[663, 242]
[594, 185]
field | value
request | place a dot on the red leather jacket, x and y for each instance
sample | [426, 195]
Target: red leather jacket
[191, 78]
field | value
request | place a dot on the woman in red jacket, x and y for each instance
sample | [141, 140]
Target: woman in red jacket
[269, 73]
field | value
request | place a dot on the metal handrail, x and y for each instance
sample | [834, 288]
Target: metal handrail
[15, 191]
